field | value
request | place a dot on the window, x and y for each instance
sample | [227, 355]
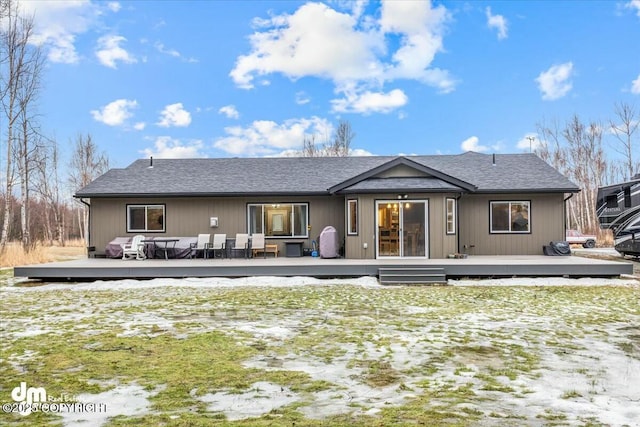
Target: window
[145, 218]
[510, 217]
[278, 219]
[352, 217]
[451, 216]
[612, 201]
[627, 197]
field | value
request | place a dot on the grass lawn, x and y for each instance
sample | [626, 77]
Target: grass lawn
[201, 352]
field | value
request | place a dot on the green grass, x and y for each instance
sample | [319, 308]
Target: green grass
[435, 355]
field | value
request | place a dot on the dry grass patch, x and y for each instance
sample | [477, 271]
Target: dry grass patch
[14, 254]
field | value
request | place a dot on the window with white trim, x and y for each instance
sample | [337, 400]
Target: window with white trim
[510, 217]
[451, 216]
[352, 217]
[278, 219]
[145, 218]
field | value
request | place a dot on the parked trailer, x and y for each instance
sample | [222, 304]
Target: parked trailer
[618, 209]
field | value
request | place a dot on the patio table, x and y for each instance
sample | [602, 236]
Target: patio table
[160, 244]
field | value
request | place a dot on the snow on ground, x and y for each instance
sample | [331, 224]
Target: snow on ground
[587, 377]
[260, 399]
[127, 400]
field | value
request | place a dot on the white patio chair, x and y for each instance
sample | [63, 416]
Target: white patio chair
[134, 249]
[241, 243]
[257, 244]
[219, 245]
[202, 245]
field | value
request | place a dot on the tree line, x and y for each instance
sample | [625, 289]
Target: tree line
[35, 184]
[592, 154]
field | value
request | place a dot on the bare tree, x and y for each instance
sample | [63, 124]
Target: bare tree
[28, 140]
[340, 146]
[48, 188]
[309, 147]
[576, 151]
[19, 84]
[624, 128]
[342, 140]
[86, 165]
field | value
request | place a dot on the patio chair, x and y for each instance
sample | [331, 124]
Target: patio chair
[241, 244]
[219, 245]
[135, 248]
[202, 245]
[257, 244]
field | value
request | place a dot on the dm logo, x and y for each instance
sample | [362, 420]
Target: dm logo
[29, 396]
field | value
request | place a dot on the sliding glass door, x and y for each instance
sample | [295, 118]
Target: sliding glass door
[402, 228]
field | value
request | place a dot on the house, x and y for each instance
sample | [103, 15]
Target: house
[381, 206]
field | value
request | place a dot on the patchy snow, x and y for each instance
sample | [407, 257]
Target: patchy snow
[584, 373]
[127, 400]
[260, 399]
[547, 281]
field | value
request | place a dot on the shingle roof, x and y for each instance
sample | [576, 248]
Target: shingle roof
[315, 175]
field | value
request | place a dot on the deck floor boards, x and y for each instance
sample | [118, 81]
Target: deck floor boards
[474, 266]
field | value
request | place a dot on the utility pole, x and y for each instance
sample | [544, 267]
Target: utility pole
[531, 139]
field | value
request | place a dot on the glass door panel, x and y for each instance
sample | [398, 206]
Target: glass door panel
[413, 229]
[401, 228]
[388, 229]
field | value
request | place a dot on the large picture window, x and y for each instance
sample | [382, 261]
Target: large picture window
[510, 217]
[451, 216]
[145, 218]
[352, 216]
[279, 219]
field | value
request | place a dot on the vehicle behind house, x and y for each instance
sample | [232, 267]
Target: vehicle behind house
[574, 237]
[618, 209]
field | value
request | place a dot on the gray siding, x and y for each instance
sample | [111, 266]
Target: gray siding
[190, 217]
[547, 224]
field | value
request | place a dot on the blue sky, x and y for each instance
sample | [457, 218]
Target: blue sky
[253, 78]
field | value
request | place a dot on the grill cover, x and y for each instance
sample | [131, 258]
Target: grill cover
[329, 242]
[557, 249]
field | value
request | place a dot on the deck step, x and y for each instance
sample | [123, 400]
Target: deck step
[411, 275]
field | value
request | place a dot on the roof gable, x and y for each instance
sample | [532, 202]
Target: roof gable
[396, 163]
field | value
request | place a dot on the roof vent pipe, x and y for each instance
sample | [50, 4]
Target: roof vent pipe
[494, 159]
[150, 162]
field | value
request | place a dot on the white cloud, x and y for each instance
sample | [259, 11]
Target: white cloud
[115, 113]
[140, 126]
[109, 51]
[357, 52]
[369, 102]
[633, 4]
[229, 111]
[57, 23]
[529, 142]
[266, 137]
[473, 144]
[160, 47]
[635, 85]
[555, 82]
[114, 6]
[169, 148]
[174, 115]
[302, 98]
[497, 22]
[359, 152]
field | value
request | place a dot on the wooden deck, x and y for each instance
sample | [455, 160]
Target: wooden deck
[475, 266]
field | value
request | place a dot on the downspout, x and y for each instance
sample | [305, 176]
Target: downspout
[88, 230]
[458, 222]
[564, 211]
